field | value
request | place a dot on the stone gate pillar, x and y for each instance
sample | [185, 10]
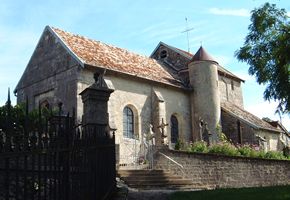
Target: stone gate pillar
[95, 103]
[101, 162]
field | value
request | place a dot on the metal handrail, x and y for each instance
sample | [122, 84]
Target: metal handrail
[180, 167]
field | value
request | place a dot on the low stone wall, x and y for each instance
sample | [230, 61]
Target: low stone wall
[218, 171]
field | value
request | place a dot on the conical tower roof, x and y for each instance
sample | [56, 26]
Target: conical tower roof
[202, 55]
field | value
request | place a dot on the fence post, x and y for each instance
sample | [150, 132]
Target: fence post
[101, 179]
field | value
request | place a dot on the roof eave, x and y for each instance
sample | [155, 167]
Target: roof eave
[89, 66]
[248, 122]
[63, 43]
[230, 76]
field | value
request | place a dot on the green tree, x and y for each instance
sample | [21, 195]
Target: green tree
[18, 117]
[267, 50]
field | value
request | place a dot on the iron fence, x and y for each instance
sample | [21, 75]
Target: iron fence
[56, 159]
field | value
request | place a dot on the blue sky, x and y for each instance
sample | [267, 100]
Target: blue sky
[138, 26]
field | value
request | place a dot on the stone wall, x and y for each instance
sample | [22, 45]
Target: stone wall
[272, 140]
[216, 171]
[231, 91]
[230, 129]
[248, 135]
[51, 75]
[139, 95]
[174, 61]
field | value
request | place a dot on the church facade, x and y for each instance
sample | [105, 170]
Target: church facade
[175, 92]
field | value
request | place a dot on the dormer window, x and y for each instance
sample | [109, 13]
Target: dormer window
[163, 54]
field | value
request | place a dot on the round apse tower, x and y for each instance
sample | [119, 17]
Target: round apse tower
[203, 76]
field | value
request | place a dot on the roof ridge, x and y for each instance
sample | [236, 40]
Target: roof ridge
[100, 42]
[99, 54]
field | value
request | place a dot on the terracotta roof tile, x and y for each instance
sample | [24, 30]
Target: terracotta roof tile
[247, 116]
[96, 53]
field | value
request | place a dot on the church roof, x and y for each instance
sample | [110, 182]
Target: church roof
[98, 54]
[247, 117]
[189, 56]
[202, 55]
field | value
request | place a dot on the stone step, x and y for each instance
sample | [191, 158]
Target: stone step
[149, 179]
[159, 182]
[142, 173]
[163, 187]
[141, 178]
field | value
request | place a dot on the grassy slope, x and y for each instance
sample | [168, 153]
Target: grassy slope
[265, 193]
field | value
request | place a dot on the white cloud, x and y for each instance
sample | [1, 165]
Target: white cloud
[222, 59]
[288, 14]
[230, 12]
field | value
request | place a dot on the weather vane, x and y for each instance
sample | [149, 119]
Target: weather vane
[187, 33]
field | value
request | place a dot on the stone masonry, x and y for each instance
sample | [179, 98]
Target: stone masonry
[154, 88]
[50, 75]
[217, 171]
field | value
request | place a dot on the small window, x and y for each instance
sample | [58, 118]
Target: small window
[232, 85]
[163, 54]
[174, 129]
[128, 123]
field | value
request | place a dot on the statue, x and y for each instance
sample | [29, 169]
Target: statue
[99, 78]
[201, 123]
[206, 134]
[150, 137]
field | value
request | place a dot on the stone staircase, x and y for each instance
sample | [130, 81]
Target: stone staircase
[154, 179]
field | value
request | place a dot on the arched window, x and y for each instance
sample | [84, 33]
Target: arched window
[44, 104]
[128, 123]
[174, 129]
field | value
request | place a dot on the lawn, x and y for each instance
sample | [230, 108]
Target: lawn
[264, 193]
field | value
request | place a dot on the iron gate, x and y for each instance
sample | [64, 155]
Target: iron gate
[55, 160]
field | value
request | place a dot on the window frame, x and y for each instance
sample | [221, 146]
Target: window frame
[174, 129]
[128, 123]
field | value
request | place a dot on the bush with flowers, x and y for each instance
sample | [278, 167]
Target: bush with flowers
[226, 147]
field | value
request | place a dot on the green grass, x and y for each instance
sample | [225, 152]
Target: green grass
[262, 193]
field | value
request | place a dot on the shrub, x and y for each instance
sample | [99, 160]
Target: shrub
[286, 152]
[199, 146]
[257, 154]
[179, 145]
[222, 137]
[225, 149]
[274, 155]
[246, 150]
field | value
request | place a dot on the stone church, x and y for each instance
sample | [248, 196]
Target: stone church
[179, 94]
